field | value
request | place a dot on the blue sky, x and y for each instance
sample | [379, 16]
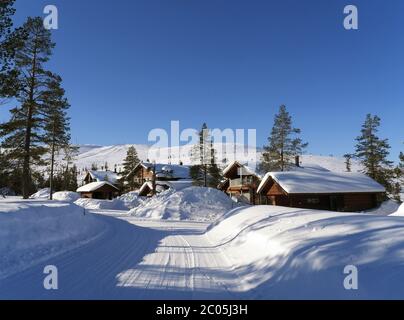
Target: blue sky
[133, 65]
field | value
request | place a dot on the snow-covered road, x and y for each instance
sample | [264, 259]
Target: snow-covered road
[133, 259]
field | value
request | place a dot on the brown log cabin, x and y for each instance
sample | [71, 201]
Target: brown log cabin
[322, 190]
[167, 176]
[98, 190]
[240, 182]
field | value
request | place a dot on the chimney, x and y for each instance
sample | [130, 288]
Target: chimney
[297, 161]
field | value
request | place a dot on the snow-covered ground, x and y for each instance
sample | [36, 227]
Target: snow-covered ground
[35, 230]
[192, 203]
[260, 252]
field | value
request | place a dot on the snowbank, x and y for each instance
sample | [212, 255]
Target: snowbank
[32, 231]
[97, 204]
[124, 202]
[192, 203]
[286, 253]
[386, 208]
[399, 212]
[68, 196]
[131, 199]
[41, 194]
[44, 194]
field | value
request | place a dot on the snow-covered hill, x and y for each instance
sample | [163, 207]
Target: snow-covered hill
[113, 155]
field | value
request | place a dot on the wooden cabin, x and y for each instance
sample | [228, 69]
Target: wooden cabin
[146, 190]
[98, 176]
[99, 190]
[174, 176]
[241, 182]
[322, 190]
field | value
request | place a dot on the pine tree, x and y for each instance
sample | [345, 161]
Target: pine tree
[373, 152]
[348, 165]
[284, 144]
[129, 164]
[399, 178]
[56, 126]
[204, 170]
[8, 43]
[23, 133]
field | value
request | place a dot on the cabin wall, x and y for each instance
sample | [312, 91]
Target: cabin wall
[334, 202]
[105, 192]
[359, 202]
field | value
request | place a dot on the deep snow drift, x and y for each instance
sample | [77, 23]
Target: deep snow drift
[399, 212]
[286, 253]
[192, 203]
[43, 194]
[125, 202]
[34, 230]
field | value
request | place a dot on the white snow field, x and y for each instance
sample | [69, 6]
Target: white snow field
[260, 252]
[192, 203]
[36, 230]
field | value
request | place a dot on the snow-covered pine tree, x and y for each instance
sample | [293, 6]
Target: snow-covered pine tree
[283, 144]
[348, 165]
[23, 132]
[373, 152]
[56, 123]
[129, 164]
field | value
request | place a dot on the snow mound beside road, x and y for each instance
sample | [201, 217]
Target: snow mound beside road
[287, 253]
[399, 212]
[35, 230]
[192, 203]
[124, 202]
[68, 196]
[41, 194]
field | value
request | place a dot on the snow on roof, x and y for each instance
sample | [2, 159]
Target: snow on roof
[109, 176]
[160, 186]
[90, 187]
[168, 170]
[247, 169]
[322, 182]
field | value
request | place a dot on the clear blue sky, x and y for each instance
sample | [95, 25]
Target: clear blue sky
[133, 65]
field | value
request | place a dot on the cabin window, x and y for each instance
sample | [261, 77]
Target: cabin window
[313, 200]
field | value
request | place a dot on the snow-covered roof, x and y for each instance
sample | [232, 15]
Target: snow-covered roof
[90, 187]
[160, 186]
[109, 176]
[175, 171]
[246, 169]
[322, 182]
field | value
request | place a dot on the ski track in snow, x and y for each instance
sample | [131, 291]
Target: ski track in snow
[134, 259]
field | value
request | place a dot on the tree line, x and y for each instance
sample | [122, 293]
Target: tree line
[38, 128]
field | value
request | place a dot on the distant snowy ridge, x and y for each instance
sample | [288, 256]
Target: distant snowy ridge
[114, 155]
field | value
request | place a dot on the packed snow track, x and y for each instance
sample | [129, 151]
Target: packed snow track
[133, 259]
